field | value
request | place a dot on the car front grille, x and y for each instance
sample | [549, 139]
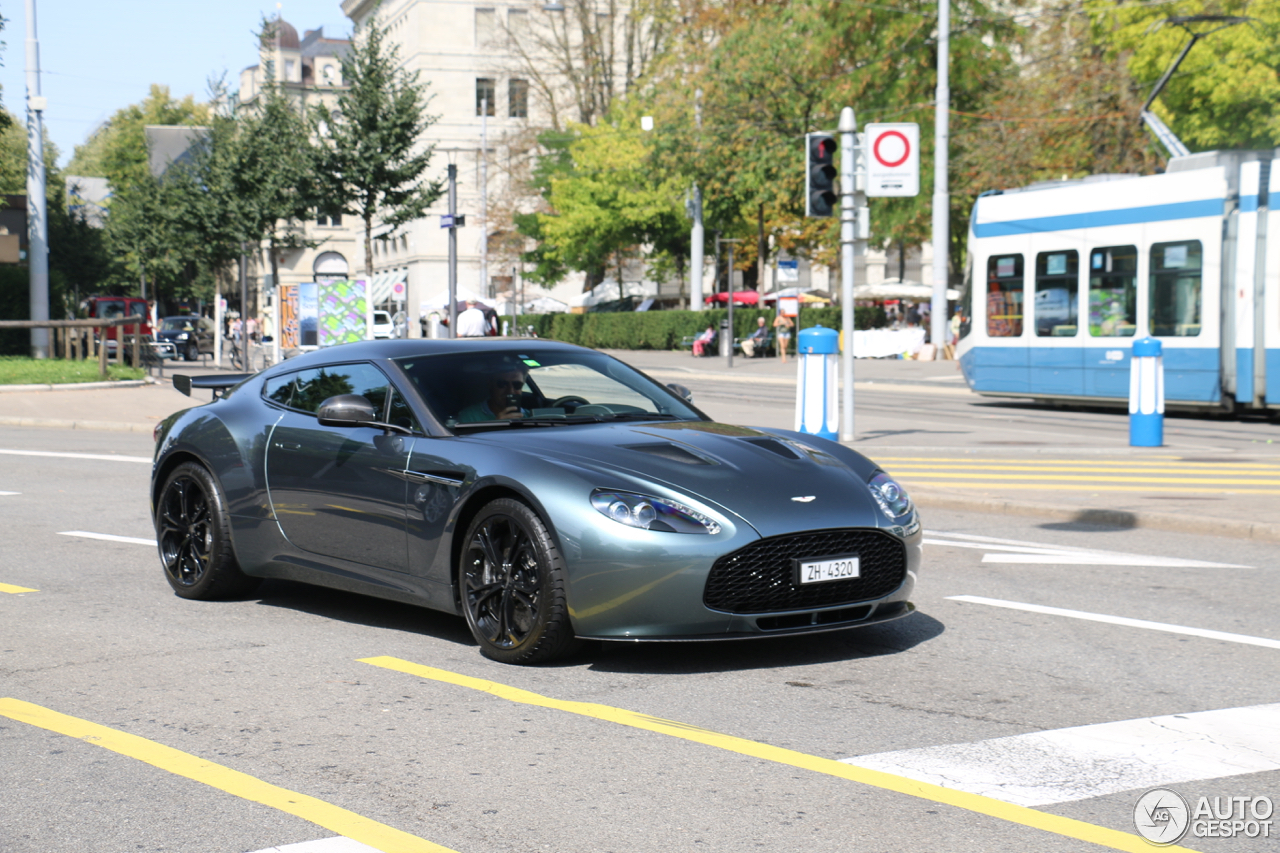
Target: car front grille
[761, 577]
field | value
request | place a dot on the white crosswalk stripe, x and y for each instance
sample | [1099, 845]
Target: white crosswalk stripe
[1038, 553]
[1058, 766]
[336, 844]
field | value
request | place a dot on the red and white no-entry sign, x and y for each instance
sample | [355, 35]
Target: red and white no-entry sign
[893, 159]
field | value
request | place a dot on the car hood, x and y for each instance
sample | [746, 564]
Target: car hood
[778, 482]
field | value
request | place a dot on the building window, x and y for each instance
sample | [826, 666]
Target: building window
[486, 27]
[517, 25]
[486, 90]
[518, 98]
[335, 220]
[288, 69]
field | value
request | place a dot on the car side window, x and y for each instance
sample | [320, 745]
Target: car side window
[279, 389]
[313, 387]
[400, 414]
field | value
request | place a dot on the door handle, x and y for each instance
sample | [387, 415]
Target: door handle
[440, 479]
[288, 445]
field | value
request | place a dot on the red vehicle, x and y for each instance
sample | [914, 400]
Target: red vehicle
[113, 307]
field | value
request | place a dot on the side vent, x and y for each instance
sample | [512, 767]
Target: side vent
[773, 446]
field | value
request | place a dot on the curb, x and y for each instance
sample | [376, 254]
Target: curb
[1258, 531]
[80, 386]
[61, 423]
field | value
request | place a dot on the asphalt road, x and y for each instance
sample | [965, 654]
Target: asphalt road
[321, 705]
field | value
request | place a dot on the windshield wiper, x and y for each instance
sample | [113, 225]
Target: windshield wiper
[643, 416]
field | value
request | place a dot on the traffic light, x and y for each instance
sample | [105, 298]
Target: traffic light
[820, 174]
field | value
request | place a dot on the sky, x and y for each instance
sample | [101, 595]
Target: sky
[97, 56]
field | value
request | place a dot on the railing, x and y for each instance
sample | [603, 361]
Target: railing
[68, 342]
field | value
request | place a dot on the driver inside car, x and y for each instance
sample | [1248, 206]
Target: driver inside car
[503, 401]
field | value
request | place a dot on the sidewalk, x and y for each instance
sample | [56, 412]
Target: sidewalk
[765, 389]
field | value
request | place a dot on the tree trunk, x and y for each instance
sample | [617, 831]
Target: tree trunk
[275, 267]
[762, 251]
[368, 246]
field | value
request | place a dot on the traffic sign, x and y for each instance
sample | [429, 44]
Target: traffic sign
[453, 220]
[893, 159]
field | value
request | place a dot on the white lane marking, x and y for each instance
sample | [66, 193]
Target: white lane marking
[1105, 560]
[1059, 766]
[102, 456]
[10, 493]
[107, 537]
[1245, 639]
[1029, 553]
[336, 844]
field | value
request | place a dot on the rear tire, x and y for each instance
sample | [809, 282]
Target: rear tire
[512, 581]
[194, 537]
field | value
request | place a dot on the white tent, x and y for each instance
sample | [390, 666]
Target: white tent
[607, 291]
[895, 289]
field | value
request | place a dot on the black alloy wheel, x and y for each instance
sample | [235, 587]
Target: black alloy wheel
[513, 588]
[194, 537]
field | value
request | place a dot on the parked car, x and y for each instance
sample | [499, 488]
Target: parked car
[545, 492]
[383, 327]
[190, 335]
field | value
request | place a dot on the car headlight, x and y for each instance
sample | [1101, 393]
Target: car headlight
[649, 513]
[891, 496]
[182, 336]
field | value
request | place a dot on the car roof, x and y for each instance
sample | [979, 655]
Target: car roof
[417, 347]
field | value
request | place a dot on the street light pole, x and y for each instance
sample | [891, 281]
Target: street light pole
[941, 197]
[484, 198]
[453, 250]
[37, 207]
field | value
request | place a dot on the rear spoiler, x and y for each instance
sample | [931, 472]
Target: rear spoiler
[218, 383]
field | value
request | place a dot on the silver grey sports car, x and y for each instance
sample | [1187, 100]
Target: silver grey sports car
[545, 492]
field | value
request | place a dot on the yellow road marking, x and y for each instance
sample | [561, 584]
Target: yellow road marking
[1080, 470]
[1054, 486]
[1145, 462]
[327, 815]
[8, 587]
[1052, 823]
[1100, 478]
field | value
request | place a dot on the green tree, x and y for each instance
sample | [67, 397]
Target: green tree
[118, 150]
[610, 202]
[1224, 94]
[370, 161]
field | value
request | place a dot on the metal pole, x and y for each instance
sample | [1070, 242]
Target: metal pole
[453, 250]
[848, 236]
[730, 349]
[696, 243]
[244, 308]
[37, 208]
[484, 198]
[941, 200]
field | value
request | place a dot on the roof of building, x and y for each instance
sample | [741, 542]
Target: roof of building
[280, 33]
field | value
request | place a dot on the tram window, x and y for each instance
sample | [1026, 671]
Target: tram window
[964, 310]
[1175, 289]
[1113, 292]
[1057, 294]
[1004, 296]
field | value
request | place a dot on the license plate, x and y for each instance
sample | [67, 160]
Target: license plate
[829, 569]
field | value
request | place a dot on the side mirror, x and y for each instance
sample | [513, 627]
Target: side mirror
[680, 391]
[353, 410]
[347, 410]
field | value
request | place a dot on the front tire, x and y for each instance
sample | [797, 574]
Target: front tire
[192, 352]
[512, 581]
[194, 537]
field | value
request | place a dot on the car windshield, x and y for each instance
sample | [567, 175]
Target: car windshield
[536, 387]
[177, 324]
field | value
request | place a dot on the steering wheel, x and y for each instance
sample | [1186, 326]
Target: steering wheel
[572, 398]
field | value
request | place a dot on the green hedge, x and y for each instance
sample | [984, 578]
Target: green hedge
[15, 304]
[664, 330]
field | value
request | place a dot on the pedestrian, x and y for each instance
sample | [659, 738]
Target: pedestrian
[472, 323]
[782, 326]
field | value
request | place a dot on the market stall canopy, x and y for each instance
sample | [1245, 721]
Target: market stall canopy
[896, 289]
[808, 297]
[740, 297]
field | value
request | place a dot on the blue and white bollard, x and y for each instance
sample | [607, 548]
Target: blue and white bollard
[817, 389]
[1146, 394]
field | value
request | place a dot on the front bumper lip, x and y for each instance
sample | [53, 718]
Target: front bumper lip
[879, 612]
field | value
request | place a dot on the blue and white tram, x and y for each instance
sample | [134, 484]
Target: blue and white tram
[1062, 278]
